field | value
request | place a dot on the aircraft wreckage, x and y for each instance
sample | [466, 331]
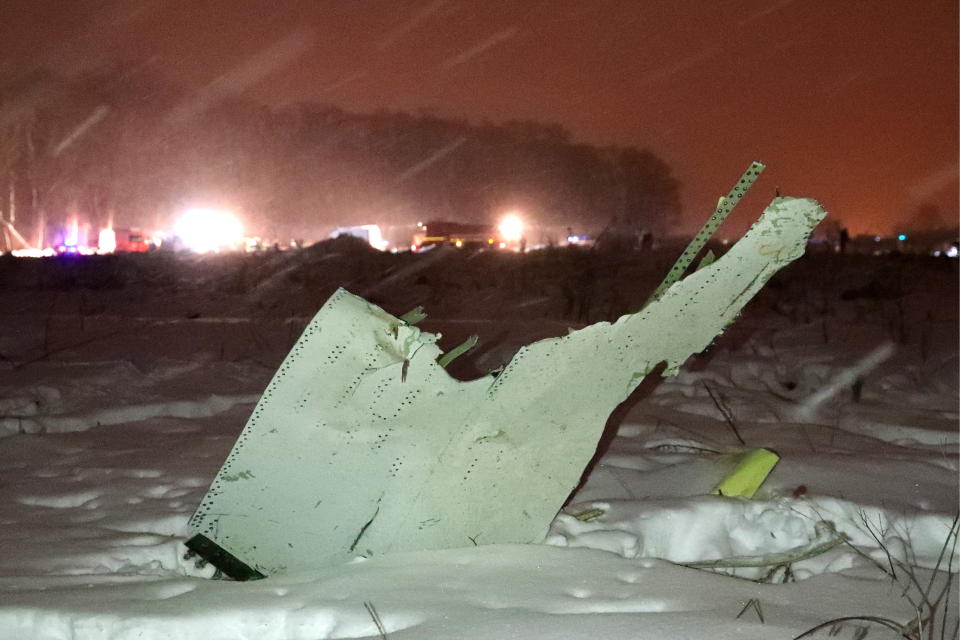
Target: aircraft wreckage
[363, 444]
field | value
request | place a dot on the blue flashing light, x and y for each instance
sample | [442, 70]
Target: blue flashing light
[902, 237]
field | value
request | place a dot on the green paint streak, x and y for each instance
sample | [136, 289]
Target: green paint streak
[458, 351]
[588, 515]
[243, 475]
[413, 316]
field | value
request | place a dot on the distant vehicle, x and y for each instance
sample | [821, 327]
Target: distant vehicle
[64, 249]
[947, 249]
[131, 241]
[73, 241]
[369, 233]
[460, 235]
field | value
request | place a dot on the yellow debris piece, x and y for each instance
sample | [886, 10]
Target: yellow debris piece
[751, 469]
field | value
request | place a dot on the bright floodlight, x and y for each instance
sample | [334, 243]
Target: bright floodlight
[107, 241]
[206, 230]
[511, 228]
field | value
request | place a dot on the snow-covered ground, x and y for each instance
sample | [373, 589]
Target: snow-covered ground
[119, 402]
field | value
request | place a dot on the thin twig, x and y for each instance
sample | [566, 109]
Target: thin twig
[947, 591]
[376, 619]
[725, 411]
[774, 559]
[755, 603]
[877, 538]
[943, 549]
[49, 352]
[886, 622]
[675, 448]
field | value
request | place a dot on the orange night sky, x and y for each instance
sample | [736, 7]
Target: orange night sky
[852, 102]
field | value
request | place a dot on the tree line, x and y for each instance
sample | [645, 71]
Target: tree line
[130, 148]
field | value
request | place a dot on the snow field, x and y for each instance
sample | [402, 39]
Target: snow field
[107, 447]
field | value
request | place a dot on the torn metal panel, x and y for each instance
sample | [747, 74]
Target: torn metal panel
[362, 443]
